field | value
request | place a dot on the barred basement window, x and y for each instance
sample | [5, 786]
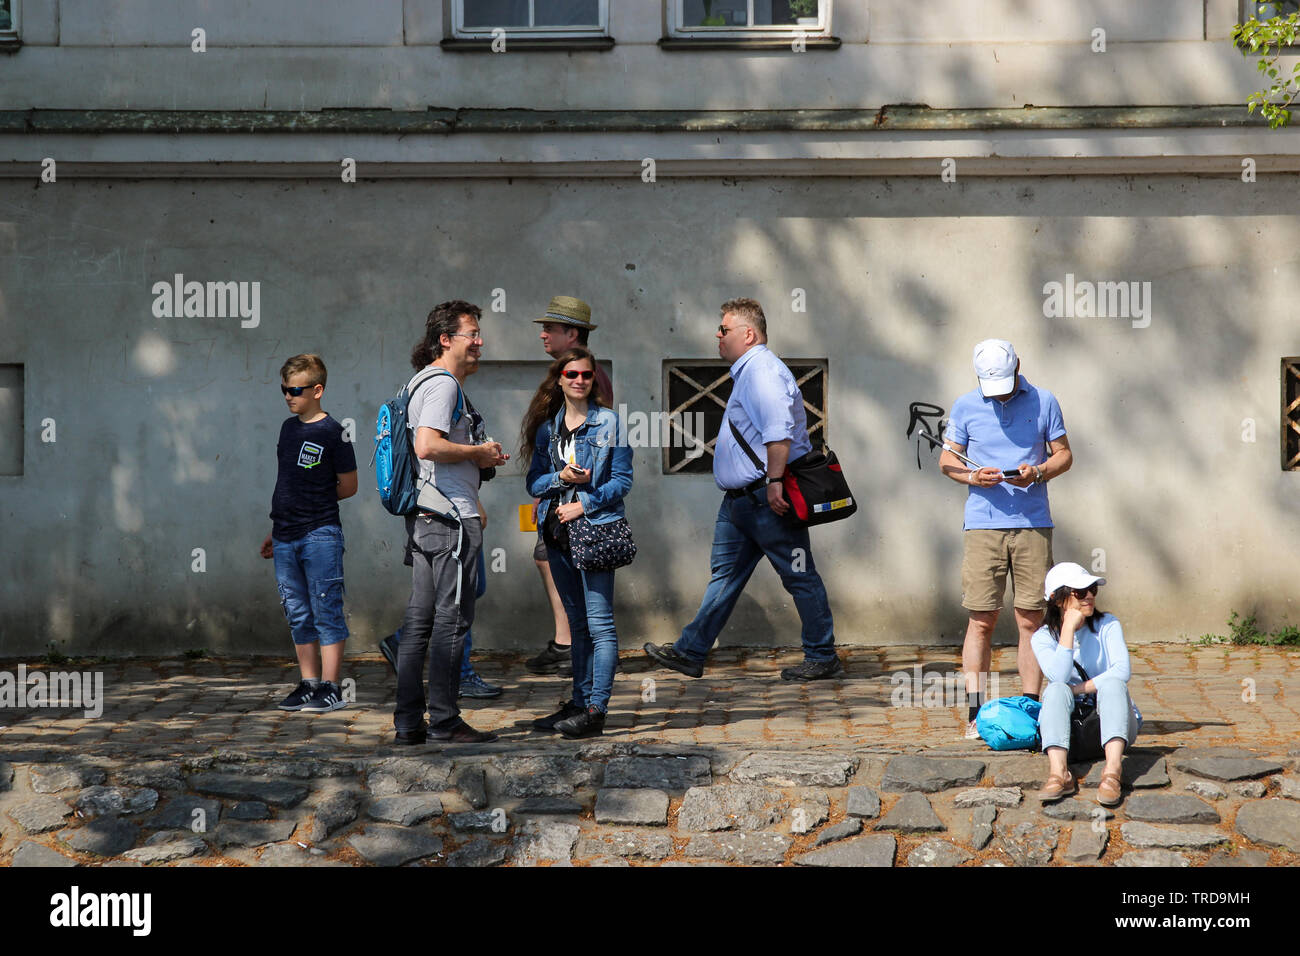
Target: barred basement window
[695, 396]
[1291, 414]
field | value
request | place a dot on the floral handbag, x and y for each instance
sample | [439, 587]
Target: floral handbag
[600, 547]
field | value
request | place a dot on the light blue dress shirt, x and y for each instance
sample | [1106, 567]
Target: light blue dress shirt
[766, 406]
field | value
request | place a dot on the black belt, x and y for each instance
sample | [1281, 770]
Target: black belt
[749, 489]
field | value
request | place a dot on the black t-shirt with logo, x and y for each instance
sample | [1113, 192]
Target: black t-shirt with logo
[306, 487]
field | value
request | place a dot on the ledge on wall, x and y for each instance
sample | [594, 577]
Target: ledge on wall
[10, 44]
[533, 45]
[751, 44]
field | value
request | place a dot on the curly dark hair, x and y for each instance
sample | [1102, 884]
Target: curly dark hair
[443, 320]
[548, 399]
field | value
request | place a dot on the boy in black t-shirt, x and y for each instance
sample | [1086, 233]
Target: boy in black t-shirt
[317, 470]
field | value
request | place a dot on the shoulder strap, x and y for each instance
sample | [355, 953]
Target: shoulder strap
[1082, 673]
[460, 392]
[740, 439]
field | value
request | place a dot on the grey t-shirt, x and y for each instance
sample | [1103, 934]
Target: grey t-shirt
[432, 407]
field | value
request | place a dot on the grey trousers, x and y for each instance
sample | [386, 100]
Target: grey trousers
[444, 581]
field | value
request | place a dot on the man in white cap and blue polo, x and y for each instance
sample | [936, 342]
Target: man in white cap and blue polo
[1015, 432]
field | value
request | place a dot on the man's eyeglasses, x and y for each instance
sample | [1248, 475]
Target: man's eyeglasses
[723, 330]
[473, 337]
[295, 390]
[575, 373]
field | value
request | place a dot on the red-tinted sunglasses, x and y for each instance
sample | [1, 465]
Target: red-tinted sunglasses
[575, 373]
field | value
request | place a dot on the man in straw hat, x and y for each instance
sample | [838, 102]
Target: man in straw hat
[567, 323]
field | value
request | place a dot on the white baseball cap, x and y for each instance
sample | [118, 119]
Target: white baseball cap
[995, 364]
[1067, 574]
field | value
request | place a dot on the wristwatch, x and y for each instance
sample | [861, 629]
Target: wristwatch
[773, 481]
[1039, 472]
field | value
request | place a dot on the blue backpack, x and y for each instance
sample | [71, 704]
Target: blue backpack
[1009, 723]
[397, 469]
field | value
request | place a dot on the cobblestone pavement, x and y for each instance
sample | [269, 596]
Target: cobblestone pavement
[191, 764]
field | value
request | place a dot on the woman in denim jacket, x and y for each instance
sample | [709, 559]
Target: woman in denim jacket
[581, 466]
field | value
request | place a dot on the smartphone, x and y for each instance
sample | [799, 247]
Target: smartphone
[1011, 474]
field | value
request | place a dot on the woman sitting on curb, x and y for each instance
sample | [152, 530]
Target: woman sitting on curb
[1075, 631]
[581, 468]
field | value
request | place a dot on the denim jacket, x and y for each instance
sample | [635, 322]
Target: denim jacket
[597, 446]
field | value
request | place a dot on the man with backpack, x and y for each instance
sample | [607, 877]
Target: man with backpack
[445, 531]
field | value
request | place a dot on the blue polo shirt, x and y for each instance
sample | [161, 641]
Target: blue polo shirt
[766, 405]
[1005, 435]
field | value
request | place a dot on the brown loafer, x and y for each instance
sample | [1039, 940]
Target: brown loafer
[1108, 794]
[1058, 787]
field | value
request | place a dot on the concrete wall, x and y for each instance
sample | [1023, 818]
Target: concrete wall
[166, 427]
[268, 55]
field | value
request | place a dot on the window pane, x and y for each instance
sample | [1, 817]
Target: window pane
[496, 13]
[715, 13]
[567, 13]
[6, 18]
[1277, 8]
[784, 12]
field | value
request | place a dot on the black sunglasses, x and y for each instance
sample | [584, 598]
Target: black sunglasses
[1081, 593]
[295, 390]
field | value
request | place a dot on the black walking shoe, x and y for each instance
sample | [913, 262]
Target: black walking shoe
[301, 694]
[411, 737]
[587, 723]
[667, 656]
[327, 697]
[550, 659]
[388, 647]
[476, 687]
[814, 670]
[567, 709]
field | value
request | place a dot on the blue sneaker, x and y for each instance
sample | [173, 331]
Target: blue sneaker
[474, 686]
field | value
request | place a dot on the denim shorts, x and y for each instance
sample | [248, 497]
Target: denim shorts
[309, 574]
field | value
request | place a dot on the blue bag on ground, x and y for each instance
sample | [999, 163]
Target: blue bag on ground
[1009, 723]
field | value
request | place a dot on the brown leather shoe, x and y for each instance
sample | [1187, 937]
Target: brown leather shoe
[1108, 794]
[462, 733]
[1058, 787]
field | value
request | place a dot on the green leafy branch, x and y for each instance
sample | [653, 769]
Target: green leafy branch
[1269, 41]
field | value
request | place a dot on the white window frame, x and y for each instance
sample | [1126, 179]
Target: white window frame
[15, 14]
[462, 32]
[764, 30]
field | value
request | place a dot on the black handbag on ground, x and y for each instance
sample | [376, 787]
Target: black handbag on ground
[1085, 726]
[814, 484]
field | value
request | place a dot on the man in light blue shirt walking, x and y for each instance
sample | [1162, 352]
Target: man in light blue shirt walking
[754, 519]
[1016, 433]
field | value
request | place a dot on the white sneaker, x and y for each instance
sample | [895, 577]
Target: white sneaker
[971, 732]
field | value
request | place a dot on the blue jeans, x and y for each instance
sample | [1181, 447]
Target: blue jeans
[466, 668]
[588, 598]
[1113, 703]
[746, 530]
[309, 574]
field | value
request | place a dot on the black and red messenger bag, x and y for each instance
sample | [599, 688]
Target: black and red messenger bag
[814, 485]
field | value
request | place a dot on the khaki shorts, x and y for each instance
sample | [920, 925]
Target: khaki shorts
[990, 554]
